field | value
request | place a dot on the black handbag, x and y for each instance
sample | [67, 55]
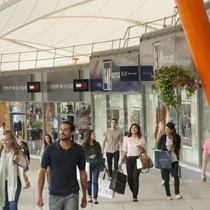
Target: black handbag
[118, 182]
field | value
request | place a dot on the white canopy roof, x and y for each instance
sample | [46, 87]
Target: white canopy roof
[34, 25]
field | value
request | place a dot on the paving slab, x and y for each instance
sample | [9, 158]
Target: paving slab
[152, 196]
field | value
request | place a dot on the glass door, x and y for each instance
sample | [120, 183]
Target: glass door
[18, 125]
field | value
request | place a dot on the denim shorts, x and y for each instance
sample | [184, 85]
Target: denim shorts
[69, 202]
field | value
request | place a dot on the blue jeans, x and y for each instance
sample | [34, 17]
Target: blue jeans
[94, 170]
[69, 202]
[13, 205]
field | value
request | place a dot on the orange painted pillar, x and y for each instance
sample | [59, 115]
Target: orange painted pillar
[163, 114]
[197, 31]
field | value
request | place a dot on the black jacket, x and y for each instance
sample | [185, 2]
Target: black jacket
[162, 144]
[26, 151]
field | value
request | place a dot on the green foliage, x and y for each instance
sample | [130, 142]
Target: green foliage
[37, 124]
[167, 80]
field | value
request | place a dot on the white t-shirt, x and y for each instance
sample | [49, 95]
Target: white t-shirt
[21, 163]
[130, 143]
[170, 144]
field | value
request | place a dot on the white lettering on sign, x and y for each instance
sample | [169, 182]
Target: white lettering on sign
[168, 59]
[116, 75]
[21, 87]
[132, 73]
[61, 86]
[124, 73]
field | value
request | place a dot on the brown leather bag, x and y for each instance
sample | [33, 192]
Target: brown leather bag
[146, 162]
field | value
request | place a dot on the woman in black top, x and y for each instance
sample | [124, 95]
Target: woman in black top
[47, 141]
[171, 142]
[24, 148]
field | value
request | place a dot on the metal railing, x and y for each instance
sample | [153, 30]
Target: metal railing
[68, 55]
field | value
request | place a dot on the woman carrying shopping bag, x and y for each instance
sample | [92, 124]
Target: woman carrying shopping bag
[93, 155]
[133, 145]
[161, 131]
[10, 158]
[171, 142]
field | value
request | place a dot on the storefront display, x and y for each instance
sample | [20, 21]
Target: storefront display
[188, 129]
[125, 108]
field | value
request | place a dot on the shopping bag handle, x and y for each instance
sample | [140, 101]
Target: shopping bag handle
[120, 170]
[143, 153]
[105, 175]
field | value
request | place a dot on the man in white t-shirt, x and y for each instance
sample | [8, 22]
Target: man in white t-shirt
[2, 128]
[112, 136]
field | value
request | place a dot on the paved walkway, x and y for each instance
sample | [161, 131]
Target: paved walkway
[196, 195]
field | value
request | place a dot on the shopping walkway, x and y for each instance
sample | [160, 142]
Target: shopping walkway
[151, 196]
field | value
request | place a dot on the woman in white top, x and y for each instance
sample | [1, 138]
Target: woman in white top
[133, 145]
[10, 158]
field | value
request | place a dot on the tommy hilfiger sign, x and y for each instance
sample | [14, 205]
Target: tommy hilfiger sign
[61, 86]
[15, 87]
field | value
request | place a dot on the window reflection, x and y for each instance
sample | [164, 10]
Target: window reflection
[188, 129]
[34, 126]
[51, 120]
[151, 114]
[82, 121]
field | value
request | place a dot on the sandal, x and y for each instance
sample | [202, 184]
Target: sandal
[90, 199]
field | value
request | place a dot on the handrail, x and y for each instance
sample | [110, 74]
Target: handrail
[70, 52]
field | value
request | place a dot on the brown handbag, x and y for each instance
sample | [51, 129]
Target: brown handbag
[146, 162]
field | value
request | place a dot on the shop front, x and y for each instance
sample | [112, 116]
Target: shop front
[191, 121]
[35, 114]
[115, 93]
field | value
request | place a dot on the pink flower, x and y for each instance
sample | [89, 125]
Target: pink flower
[192, 83]
[172, 83]
[175, 85]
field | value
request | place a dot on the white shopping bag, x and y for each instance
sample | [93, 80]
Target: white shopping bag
[124, 169]
[103, 188]
[87, 168]
[138, 163]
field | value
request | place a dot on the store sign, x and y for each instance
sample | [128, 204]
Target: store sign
[81, 85]
[105, 75]
[33, 87]
[129, 73]
[60, 86]
[155, 55]
[14, 88]
[146, 73]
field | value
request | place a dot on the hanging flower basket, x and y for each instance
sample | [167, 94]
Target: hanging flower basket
[181, 80]
[168, 79]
